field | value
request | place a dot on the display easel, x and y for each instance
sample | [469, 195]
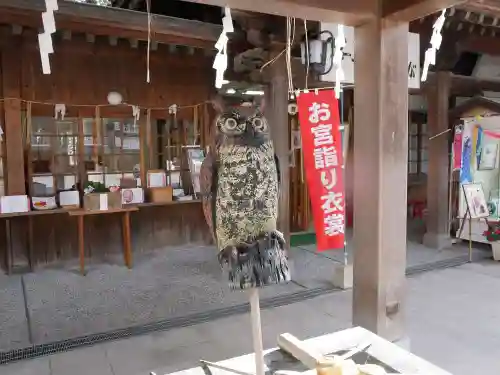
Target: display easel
[476, 209]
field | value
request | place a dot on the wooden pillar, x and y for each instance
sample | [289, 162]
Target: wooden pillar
[437, 235]
[14, 150]
[380, 176]
[276, 109]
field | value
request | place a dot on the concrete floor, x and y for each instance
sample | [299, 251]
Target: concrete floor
[58, 304]
[453, 317]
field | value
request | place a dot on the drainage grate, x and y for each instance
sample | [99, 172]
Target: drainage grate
[446, 263]
[65, 345]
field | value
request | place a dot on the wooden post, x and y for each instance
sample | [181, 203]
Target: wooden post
[14, 150]
[437, 235]
[127, 246]
[380, 176]
[81, 242]
[276, 109]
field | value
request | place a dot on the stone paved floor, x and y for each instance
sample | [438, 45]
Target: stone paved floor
[453, 317]
[55, 304]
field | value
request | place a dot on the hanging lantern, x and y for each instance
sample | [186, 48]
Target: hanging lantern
[115, 98]
[318, 52]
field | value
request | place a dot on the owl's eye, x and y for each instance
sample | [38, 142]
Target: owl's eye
[230, 125]
[259, 124]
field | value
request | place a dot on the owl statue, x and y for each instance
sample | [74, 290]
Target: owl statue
[239, 181]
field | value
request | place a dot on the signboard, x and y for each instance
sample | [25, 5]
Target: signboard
[323, 162]
[348, 58]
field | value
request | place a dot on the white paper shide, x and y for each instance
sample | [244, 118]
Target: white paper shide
[45, 39]
[220, 61]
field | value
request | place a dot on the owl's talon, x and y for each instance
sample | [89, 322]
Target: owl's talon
[280, 237]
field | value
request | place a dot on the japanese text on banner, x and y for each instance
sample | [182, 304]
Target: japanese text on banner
[322, 147]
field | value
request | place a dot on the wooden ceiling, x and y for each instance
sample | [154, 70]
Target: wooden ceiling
[96, 20]
[466, 36]
[467, 33]
[466, 29]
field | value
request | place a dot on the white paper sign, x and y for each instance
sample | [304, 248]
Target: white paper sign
[88, 141]
[14, 203]
[69, 182]
[47, 180]
[348, 59]
[131, 143]
[69, 198]
[113, 179]
[95, 177]
[157, 179]
[134, 195]
[103, 202]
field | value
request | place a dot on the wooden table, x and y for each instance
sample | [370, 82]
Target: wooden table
[8, 235]
[127, 246]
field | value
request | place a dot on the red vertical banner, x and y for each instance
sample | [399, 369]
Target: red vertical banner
[322, 148]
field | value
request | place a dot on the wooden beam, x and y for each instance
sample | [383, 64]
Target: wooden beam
[352, 13]
[463, 83]
[409, 10]
[437, 235]
[122, 23]
[487, 7]
[487, 45]
[381, 157]
[276, 109]
[14, 150]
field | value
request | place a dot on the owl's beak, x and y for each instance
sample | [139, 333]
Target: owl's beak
[254, 139]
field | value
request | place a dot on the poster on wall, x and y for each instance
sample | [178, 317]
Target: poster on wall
[488, 160]
[323, 161]
[476, 201]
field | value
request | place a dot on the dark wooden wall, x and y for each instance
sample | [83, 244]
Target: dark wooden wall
[85, 72]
